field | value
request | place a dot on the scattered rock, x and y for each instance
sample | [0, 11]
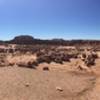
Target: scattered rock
[45, 68]
[59, 89]
[27, 84]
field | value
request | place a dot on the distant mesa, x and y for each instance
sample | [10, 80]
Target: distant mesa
[29, 40]
[58, 39]
[23, 39]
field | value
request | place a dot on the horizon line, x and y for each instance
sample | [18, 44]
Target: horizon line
[53, 38]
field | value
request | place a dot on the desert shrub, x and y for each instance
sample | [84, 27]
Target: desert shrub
[43, 58]
[89, 61]
[22, 60]
[66, 58]
[84, 55]
[58, 60]
[45, 68]
[94, 55]
[3, 61]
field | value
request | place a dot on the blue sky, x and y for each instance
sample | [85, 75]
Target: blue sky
[46, 19]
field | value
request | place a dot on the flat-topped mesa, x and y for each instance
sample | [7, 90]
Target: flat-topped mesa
[23, 39]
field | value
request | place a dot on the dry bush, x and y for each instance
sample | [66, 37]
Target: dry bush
[3, 61]
[52, 56]
[95, 55]
[44, 58]
[84, 55]
[90, 59]
[22, 60]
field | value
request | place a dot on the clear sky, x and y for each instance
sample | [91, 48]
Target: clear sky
[46, 19]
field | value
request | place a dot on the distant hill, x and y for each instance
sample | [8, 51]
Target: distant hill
[22, 39]
[26, 39]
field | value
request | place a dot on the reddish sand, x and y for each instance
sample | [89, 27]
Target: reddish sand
[61, 82]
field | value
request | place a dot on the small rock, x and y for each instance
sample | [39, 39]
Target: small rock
[59, 89]
[45, 68]
[27, 84]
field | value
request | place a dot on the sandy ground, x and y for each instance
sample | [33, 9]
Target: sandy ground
[29, 84]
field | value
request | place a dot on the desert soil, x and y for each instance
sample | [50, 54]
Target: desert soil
[58, 83]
